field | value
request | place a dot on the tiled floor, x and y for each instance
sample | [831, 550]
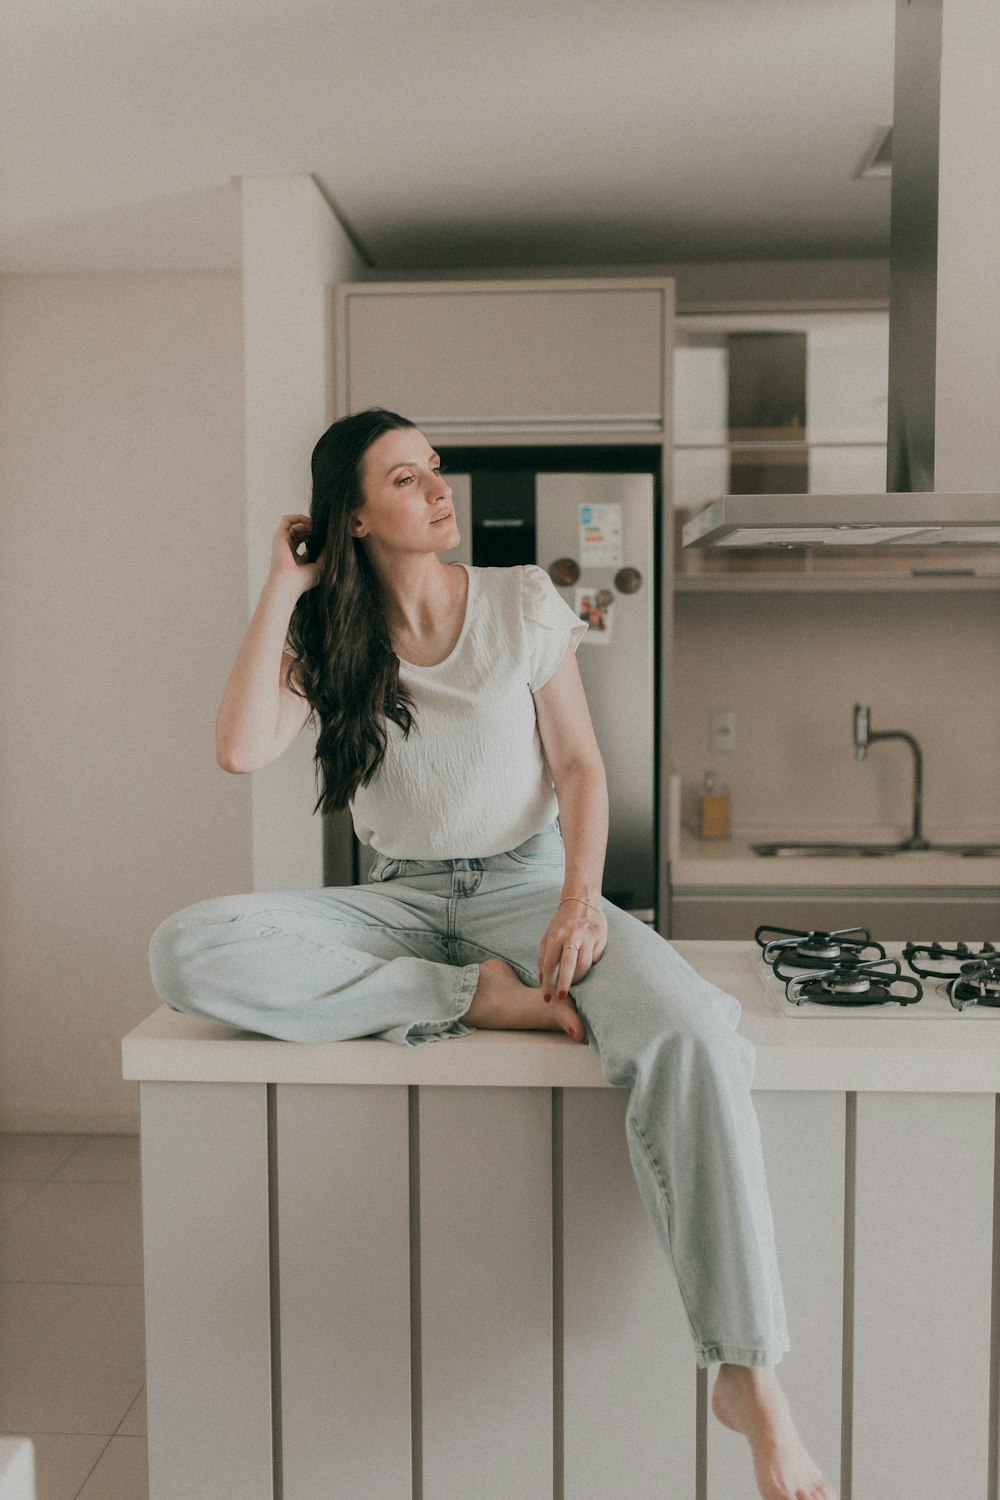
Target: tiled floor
[72, 1374]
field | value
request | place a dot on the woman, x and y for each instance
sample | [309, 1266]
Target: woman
[453, 722]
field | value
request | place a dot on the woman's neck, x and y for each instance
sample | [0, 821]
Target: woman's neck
[420, 595]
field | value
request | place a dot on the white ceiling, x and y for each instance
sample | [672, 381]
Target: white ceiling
[447, 133]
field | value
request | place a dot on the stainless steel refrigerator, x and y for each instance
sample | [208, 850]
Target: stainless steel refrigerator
[594, 533]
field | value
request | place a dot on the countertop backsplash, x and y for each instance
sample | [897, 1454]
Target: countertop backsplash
[792, 667]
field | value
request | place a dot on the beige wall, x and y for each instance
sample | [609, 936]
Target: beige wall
[123, 587]
[793, 666]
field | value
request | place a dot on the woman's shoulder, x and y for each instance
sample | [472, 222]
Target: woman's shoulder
[512, 578]
[519, 591]
[499, 584]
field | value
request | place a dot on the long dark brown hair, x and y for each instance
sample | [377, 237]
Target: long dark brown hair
[338, 631]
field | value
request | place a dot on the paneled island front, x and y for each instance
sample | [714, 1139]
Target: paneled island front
[377, 1272]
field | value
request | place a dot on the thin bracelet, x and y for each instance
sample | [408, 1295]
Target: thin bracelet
[582, 903]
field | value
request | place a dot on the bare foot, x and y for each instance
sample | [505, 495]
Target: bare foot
[749, 1399]
[503, 1003]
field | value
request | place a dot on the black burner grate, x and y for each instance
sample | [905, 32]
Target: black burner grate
[815, 950]
[855, 981]
[977, 984]
[939, 961]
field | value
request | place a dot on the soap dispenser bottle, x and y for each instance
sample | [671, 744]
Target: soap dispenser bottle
[714, 821]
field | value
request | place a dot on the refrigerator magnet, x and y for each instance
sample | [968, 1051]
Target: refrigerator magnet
[564, 571]
[598, 616]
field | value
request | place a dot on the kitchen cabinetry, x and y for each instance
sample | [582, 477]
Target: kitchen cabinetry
[721, 890]
[893, 916]
[587, 357]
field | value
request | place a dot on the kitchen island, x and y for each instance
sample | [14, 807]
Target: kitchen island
[383, 1271]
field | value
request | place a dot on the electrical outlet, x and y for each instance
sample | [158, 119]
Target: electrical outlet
[722, 729]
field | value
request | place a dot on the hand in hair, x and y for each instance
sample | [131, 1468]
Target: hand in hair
[286, 565]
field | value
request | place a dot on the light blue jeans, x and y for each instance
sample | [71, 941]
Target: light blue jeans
[399, 959]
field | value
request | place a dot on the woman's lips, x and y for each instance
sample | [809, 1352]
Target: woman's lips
[439, 519]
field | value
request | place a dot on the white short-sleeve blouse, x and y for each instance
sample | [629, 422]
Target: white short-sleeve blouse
[472, 778]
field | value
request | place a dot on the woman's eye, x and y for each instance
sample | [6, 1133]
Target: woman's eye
[404, 478]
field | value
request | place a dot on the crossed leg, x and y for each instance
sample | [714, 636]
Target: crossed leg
[694, 1142]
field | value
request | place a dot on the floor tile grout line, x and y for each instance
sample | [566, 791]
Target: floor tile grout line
[21, 1281]
[36, 1432]
[10, 1213]
[118, 1432]
[86, 1481]
[80, 1143]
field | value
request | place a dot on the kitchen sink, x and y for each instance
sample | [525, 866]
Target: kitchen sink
[853, 851]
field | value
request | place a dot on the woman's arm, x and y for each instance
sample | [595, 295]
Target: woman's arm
[574, 758]
[259, 716]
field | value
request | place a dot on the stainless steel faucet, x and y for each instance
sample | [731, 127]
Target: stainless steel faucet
[864, 736]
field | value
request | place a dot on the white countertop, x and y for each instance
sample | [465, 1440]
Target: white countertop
[926, 1052]
[731, 862]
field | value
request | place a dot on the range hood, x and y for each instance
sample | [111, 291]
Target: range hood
[943, 465]
[881, 520]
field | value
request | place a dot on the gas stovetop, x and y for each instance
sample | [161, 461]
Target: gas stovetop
[849, 973]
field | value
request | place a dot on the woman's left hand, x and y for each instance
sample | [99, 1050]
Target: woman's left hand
[574, 940]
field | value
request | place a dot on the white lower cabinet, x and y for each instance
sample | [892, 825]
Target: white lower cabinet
[430, 1293]
[923, 1273]
[628, 1391]
[803, 1136]
[343, 1321]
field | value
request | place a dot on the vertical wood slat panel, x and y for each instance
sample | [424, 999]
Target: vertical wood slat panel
[344, 1258]
[923, 1277]
[629, 1367]
[803, 1138]
[486, 1292]
[207, 1290]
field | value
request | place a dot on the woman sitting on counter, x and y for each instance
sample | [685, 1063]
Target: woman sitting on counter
[453, 722]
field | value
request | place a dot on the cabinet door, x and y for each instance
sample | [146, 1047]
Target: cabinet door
[923, 1279]
[803, 1138]
[895, 917]
[507, 356]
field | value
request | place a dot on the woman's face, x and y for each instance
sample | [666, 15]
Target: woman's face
[407, 504]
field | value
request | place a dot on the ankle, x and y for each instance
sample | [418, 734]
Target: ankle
[491, 1000]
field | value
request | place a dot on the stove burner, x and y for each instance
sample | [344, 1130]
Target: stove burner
[978, 982]
[955, 959]
[815, 950]
[853, 981]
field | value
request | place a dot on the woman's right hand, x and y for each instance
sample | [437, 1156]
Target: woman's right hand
[286, 565]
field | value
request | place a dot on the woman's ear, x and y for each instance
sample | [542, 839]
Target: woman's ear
[358, 527]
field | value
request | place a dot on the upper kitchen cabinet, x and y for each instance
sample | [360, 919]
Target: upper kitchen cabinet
[496, 360]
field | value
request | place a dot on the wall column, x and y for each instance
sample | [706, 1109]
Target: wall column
[294, 247]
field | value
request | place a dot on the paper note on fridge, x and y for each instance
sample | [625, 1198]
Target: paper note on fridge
[601, 536]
